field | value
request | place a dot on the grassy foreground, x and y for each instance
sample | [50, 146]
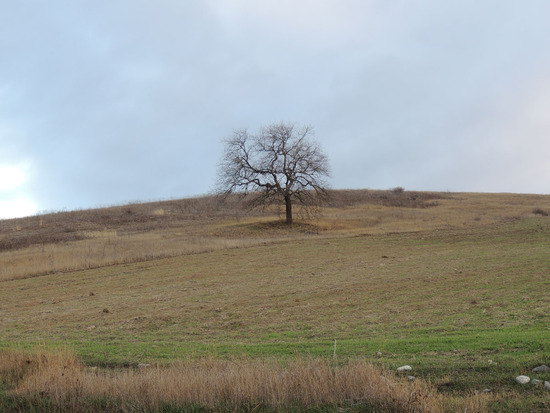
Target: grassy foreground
[457, 289]
[53, 381]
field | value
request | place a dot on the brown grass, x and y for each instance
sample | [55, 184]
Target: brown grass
[313, 286]
[61, 227]
[75, 240]
[233, 384]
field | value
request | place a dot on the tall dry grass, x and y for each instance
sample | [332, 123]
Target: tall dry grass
[215, 383]
[105, 249]
[76, 240]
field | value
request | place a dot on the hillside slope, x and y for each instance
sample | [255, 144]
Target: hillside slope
[455, 285]
[74, 240]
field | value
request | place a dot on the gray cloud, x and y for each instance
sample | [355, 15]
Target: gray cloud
[112, 102]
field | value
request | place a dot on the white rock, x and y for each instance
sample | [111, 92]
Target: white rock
[143, 365]
[411, 378]
[523, 379]
[547, 384]
[535, 381]
[404, 368]
[544, 367]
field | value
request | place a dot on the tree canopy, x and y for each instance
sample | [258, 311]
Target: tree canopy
[282, 163]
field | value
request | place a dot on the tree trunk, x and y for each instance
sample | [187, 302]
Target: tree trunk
[288, 203]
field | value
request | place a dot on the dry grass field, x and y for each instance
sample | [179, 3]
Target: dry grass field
[61, 382]
[455, 285]
[68, 241]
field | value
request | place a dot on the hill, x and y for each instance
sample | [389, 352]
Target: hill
[67, 241]
[454, 285]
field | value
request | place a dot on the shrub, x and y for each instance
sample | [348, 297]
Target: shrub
[540, 211]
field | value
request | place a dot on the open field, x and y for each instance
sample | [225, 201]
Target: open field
[68, 241]
[455, 285]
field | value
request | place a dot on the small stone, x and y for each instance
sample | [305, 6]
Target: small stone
[411, 378]
[404, 368]
[143, 365]
[379, 353]
[535, 382]
[547, 384]
[543, 368]
[523, 379]
[487, 391]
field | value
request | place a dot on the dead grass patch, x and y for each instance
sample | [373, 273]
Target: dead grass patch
[76, 240]
[233, 384]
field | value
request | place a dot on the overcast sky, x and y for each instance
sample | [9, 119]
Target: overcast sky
[106, 102]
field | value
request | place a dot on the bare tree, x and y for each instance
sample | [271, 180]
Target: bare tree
[280, 164]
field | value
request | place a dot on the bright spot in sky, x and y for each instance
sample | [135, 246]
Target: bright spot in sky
[15, 208]
[11, 177]
[13, 201]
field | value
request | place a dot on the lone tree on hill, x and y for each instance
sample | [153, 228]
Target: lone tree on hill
[281, 163]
